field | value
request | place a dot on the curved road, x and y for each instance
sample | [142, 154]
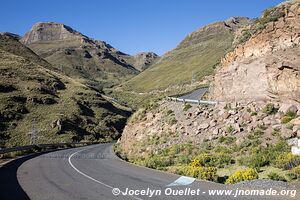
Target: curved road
[91, 173]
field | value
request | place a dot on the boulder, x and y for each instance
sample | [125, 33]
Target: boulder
[287, 134]
[296, 121]
[284, 108]
[296, 128]
[203, 126]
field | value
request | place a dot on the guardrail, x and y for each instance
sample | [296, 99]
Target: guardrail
[43, 146]
[192, 101]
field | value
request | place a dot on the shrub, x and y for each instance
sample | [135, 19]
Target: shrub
[270, 109]
[226, 140]
[186, 107]
[289, 116]
[208, 173]
[276, 177]
[257, 160]
[158, 162]
[202, 160]
[295, 173]
[245, 36]
[229, 129]
[242, 175]
[287, 161]
[138, 116]
[204, 173]
[254, 114]
[171, 120]
[209, 160]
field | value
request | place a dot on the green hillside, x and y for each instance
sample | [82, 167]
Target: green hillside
[195, 57]
[60, 108]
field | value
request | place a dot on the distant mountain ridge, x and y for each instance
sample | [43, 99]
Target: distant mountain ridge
[92, 61]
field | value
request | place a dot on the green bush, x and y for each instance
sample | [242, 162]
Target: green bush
[158, 162]
[276, 177]
[245, 36]
[270, 109]
[227, 140]
[262, 156]
[242, 175]
[229, 129]
[295, 173]
[212, 160]
[186, 107]
[138, 116]
[289, 116]
[256, 161]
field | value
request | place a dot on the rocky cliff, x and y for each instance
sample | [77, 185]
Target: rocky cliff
[267, 65]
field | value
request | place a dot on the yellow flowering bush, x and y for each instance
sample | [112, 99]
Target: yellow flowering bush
[242, 175]
[204, 173]
[287, 161]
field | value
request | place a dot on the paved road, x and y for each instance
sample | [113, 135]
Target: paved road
[91, 173]
[195, 95]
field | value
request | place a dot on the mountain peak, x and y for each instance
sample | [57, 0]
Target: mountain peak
[50, 31]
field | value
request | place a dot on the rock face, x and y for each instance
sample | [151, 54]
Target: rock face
[43, 32]
[267, 66]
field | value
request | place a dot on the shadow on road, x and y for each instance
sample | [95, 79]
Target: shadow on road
[10, 188]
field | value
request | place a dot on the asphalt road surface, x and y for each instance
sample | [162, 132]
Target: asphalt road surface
[92, 173]
[195, 95]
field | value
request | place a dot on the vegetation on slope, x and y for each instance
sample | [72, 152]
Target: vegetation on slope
[61, 109]
[194, 58]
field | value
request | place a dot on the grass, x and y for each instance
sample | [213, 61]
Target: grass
[177, 67]
[98, 71]
[34, 94]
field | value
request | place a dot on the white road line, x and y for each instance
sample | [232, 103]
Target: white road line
[91, 178]
[183, 180]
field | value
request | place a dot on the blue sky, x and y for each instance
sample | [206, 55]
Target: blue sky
[129, 25]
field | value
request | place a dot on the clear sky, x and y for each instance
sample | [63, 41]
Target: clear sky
[129, 25]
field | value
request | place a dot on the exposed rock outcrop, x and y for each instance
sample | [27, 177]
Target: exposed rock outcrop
[267, 66]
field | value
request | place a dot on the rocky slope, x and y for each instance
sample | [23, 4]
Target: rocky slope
[143, 60]
[194, 58]
[228, 136]
[267, 65]
[175, 123]
[36, 96]
[94, 62]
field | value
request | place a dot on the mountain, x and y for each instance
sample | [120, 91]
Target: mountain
[194, 58]
[267, 65]
[35, 96]
[91, 61]
[143, 60]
